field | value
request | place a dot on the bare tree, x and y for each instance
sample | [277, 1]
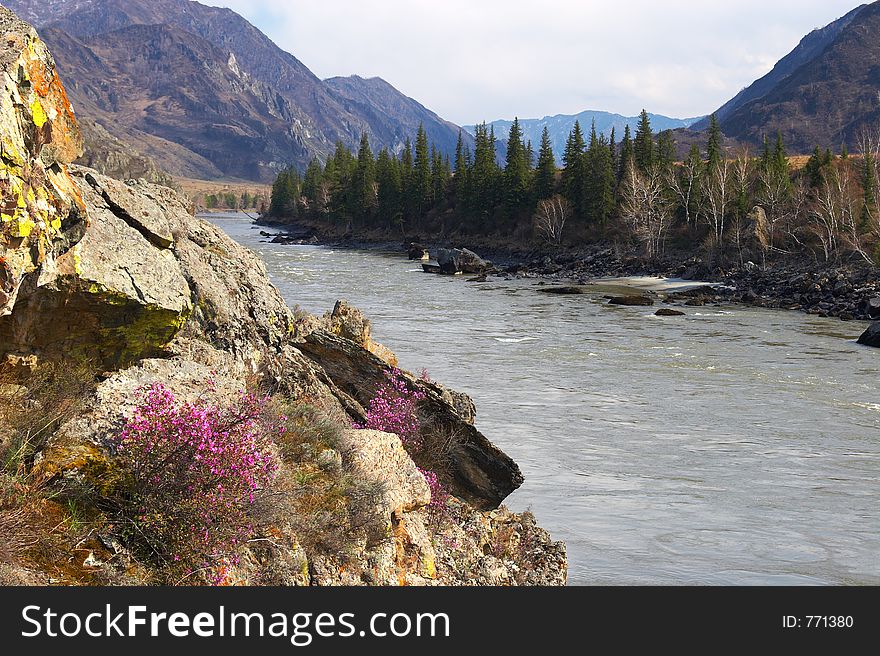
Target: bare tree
[869, 144]
[774, 192]
[646, 207]
[743, 168]
[684, 183]
[834, 219]
[851, 224]
[717, 198]
[550, 218]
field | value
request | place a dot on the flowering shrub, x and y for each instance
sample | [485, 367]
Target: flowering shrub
[439, 495]
[193, 472]
[394, 409]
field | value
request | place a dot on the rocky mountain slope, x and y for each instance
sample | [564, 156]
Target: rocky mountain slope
[810, 47]
[822, 93]
[121, 282]
[262, 110]
[394, 117]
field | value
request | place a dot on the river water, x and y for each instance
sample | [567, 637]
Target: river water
[731, 446]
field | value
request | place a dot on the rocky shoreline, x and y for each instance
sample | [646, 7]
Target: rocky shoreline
[848, 292]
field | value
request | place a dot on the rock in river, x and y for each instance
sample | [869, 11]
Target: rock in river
[668, 312]
[455, 260]
[417, 252]
[564, 291]
[631, 300]
[871, 337]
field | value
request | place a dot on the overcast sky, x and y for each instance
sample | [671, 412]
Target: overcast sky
[474, 60]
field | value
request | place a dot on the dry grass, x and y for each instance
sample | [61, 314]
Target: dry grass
[330, 510]
[33, 406]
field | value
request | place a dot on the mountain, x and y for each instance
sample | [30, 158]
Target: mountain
[806, 51]
[825, 92]
[392, 116]
[207, 119]
[205, 92]
[561, 125]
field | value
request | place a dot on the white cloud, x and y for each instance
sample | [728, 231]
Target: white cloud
[473, 60]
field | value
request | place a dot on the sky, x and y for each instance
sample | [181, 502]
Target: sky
[475, 60]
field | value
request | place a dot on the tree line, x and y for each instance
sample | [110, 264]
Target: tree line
[728, 202]
[229, 200]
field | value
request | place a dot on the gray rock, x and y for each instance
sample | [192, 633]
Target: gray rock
[871, 337]
[373, 455]
[564, 291]
[632, 300]
[453, 261]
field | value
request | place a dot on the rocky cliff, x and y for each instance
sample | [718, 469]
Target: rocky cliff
[119, 284]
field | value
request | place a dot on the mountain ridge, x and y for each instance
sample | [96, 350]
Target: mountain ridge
[560, 125]
[806, 50]
[316, 115]
[823, 93]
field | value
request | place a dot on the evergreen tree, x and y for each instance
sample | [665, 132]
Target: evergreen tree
[627, 154]
[363, 197]
[813, 169]
[285, 193]
[390, 192]
[516, 170]
[713, 145]
[410, 201]
[458, 180]
[779, 165]
[422, 171]
[312, 181]
[600, 179]
[574, 173]
[766, 155]
[665, 149]
[643, 146]
[484, 173]
[530, 156]
[612, 149]
[545, 174]
[438, 176]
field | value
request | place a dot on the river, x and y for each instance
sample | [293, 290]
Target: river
[732, 446]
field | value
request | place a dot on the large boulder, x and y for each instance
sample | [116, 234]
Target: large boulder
[349, 322]
[871, 337]
[478, 471]
[460, 260]
[381, 456]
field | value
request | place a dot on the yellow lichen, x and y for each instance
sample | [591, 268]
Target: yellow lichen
[25, 226]
[38, 113]
[77, 261]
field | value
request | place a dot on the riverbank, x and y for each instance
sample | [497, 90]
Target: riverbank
[845, 291]
[724, 447]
